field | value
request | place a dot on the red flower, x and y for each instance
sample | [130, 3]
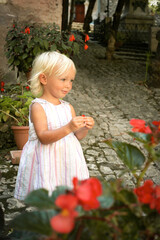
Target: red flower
[139, 126]
[144, 193]
[64, 222]
[72, 38]
[149, 194]
[2, 89]
[87, 192]
[27, 88]
[85, 47]
[66, 201]
[13, 25]
[2, 84]
[86, 37]
[27, 30]
[83, 115]
[157, 124]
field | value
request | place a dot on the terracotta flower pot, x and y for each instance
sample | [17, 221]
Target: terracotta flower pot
[21, 134]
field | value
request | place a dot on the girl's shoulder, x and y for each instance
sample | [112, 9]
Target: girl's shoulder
[43, 101]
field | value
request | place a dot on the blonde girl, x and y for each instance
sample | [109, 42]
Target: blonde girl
[53, 155]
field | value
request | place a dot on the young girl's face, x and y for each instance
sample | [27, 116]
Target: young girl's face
[59, 87]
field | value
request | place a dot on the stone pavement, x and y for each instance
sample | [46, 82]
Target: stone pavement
[109, 92]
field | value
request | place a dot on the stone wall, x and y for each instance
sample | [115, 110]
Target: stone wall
[42, 11]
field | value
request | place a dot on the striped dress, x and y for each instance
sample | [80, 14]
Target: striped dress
[51, 165]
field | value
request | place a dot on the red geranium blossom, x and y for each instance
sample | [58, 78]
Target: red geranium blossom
[2, 89]
[139, 126]
[87, 192]
[86, 37]
[27, 30]
[85, 47]
[27, 88]
[64, 221]
[72, 38]
[2, 84]
[83, 115]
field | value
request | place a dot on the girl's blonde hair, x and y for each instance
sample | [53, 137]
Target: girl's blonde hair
[46, 63]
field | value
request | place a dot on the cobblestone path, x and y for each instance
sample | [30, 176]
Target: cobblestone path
[111, 93]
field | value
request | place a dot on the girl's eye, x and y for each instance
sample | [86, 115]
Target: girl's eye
[63, 79]
[72, 80]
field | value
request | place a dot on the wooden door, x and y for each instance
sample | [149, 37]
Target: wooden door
[79, 13]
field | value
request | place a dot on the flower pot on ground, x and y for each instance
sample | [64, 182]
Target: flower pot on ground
[14, 111]
[15, 156]
[21, 134]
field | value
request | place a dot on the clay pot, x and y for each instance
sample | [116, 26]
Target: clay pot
[21, 134]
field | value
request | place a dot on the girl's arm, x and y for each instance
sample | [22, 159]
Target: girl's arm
[38, 117]
[88, 124]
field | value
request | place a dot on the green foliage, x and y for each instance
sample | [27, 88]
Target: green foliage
[14, 106]
[131, 156]
[24, 41]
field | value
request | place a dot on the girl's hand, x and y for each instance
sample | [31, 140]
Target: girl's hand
[77, 123]
[89, 122]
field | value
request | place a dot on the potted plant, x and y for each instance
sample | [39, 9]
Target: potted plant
[14, 110]
[25, 40]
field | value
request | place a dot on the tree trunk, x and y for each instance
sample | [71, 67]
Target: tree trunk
[88, 17]
[64, 15]
[71, 15]
[114, 29]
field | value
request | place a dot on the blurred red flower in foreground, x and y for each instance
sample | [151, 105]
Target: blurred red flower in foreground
[84, 193]
[87, 192]
[64, 222]
[139, 126]
[2, 89]
[72, 38]
[149, 194]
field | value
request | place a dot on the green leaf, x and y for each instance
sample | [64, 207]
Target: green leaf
[58, 191]
[40, 198]
[107, 199]
[76, 48]
[17, 62]
[36, 221]
[25, 55]
[46, 44]
[36, 50]
[129, 154]
[11, 60]
[53, 47]
[141, 137]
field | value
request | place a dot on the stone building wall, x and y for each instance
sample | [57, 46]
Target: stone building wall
[42, 11]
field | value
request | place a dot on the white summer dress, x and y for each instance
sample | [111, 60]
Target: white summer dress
[51, 165]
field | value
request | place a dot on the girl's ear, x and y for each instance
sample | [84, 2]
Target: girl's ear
[43, 78]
